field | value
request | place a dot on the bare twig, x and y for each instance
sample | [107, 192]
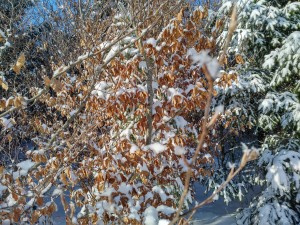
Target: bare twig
[231, 29]
[204, 130]
[206, 124]
[247, 156]
[61, 70]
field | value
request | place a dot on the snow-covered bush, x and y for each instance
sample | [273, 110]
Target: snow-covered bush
[114, 129]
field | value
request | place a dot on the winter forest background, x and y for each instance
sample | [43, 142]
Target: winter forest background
[149, 111]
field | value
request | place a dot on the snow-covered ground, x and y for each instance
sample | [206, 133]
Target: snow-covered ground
[218, 213]
[215, 213]
[213, 219]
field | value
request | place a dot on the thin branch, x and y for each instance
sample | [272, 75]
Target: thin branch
[247, 156]
[206, 125]
[204, 130]
[89, 92]
[80, 9]
[231, 29]
[61, 70]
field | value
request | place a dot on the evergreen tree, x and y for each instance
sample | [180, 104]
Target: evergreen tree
[266, 55]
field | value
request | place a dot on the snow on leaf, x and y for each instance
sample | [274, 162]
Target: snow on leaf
[178, 150]
[2, 36]
[112, 53]
[57, 192]
[151, 41]
[125, 188]
[219, 109]
[161, 193]
[164, 222]
[180, 122]
[142, 65]
[24, 167]
[157, 148]
[165, 209]
[2, 188]
[150, 216]
[7, 123]
[133, 148]
[266, 105]
[202, 58]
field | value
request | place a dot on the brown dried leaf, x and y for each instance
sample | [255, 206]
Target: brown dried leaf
[63, 178]
[47, 81]
[1, 38]
[19, 64]
[57, 86]
[64, 203]
[15, 196]
[18, 102]
[45, 45]
[239, 59]
[2, 104]
[82, 43]
[1, 170]
[16, 214]
[3, 84]
[219, 23]
[180, 15]
[34, 217]
[39, 201]
[52, 208]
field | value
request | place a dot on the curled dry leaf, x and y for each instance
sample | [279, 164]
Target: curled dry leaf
[34, 217]
[15, 196]
[47, 81]
[40, 201]
[244, 159]
[239, 59]
[19, 64]
[19, 101]
[57, 86]
[3, 84]
[1, 38]
[16, 214]
[180, 15]
[2, 104]
[1, 170]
